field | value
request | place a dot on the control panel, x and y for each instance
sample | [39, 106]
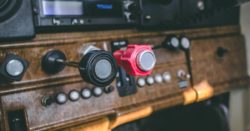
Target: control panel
[72, 78]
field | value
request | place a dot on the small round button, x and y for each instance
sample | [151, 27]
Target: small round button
[61, 98]
[141, 82]
[185, 43]
[150, 80]
[86, 93]
[47, 100]
[146, 60]
[166, 77]
[14, 68]
[158, 78]
[74, 95]
[97, 91]
[109, 89]
[98, 67]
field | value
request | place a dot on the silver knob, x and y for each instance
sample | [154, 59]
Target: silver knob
[146, 60]
[14, 68]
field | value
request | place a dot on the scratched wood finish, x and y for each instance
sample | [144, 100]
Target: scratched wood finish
[207, 65]
[39, 116]
[28, 93]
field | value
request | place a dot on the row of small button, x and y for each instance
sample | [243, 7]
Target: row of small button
[158, 78]
[74, 95]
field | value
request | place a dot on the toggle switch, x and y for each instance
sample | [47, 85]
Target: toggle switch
[97, 67]
[137, 60]
[13, 68]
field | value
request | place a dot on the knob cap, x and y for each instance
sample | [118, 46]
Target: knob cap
[98, 67]
[171, 43]
[109, 89]
[13, 68]
[137, 60]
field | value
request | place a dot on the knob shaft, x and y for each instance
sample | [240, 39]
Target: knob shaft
[137, 60]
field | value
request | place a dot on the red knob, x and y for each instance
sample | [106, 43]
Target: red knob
[137, 60]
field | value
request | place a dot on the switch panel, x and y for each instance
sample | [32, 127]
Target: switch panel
[82, 80]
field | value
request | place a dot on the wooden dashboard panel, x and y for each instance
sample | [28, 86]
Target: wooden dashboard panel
[208, 64]
[203, 64]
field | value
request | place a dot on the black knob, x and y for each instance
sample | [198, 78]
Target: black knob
[50, 64]
[13, 68]
[221, 52]
[171, 42]
[98, 67]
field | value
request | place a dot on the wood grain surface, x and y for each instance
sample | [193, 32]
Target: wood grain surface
[222, 73]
